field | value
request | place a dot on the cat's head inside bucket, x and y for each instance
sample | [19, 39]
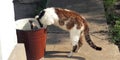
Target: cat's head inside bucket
[27, 24]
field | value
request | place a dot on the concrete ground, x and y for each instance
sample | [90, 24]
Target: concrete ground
[58, 43]
[18, 53]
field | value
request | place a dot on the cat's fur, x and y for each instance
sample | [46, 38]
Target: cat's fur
[70, 21]
[33, 25]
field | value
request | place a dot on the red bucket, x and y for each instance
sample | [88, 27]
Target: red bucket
[35, 42]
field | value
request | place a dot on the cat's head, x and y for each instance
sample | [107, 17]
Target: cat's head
[47, 16]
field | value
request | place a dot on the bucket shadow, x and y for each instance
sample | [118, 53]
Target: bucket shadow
[118, 46]
[58, 54]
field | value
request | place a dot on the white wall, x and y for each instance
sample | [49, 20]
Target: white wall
[7, 29]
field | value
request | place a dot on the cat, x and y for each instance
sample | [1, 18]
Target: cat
[33, 25]
[70, 21]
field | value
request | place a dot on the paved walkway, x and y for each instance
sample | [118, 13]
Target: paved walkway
[58, 44]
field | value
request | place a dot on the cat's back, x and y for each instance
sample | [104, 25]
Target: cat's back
[66, 13]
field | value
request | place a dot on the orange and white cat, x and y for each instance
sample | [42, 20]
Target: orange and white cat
[70, 21]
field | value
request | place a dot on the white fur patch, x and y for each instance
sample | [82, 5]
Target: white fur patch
[36, 17]
[75, 34]
[49, 17]
[66, 9]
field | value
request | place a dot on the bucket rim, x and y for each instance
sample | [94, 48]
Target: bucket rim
[31, 30]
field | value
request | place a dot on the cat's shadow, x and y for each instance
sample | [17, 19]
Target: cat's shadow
[60, 54]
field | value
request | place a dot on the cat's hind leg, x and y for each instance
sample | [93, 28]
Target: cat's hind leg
[80, 42]
[75, 39]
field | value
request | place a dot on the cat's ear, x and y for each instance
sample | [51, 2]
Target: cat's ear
[40, 15]
[37, 17]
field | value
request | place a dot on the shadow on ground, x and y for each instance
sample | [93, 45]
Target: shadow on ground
[57, 37]
[52, 54]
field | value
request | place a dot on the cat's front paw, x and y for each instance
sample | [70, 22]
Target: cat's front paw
[42, 58]
[70, 54]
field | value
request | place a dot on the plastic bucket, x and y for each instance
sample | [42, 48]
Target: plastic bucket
[34, 40]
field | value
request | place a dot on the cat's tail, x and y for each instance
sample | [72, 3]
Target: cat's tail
[89, 41]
